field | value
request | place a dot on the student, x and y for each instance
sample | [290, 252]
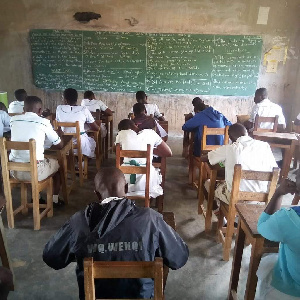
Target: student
[4, 122]
[31, 126]
[265, 108]
[209, 117]
[92, 104]
[136, 234]
[16, 107]
[251, 154]
[142, 121]
[70, 112]
[196, 102]
[151, 109]
[130, 138]
[279, 274]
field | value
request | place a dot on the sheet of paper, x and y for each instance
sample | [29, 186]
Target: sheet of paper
[272, 66]
[263, 15]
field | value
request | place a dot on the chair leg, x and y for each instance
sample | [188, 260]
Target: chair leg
[9, 206]
[36, 209]
[85, 169]
[228, 237]
[50, 198]
[24, 198]
[220, 226]
[160, 203]
[191, 169]
[80, 170]
[200, 189]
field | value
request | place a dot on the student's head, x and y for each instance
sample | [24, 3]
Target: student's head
[89, 95]
[33, 104]
[260, 95]
[3, 107]
[20, 94]
[237, 130]
[139, 109]
[127, 124]
[70, 96]
[110, 182]
[196, 101]
[199, 106]
[141, 97]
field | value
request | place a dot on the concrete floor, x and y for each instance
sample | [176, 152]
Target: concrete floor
[205, 276]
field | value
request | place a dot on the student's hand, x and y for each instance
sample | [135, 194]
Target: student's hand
[286, 187]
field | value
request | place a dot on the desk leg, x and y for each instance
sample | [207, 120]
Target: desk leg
[111, 128]
[72, 169]
[236, 262]
[210, 200]
[287, 158]
[62, 160]
[106, 140]
[256, 253]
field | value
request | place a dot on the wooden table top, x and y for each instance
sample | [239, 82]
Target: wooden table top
[65, 139]
[276, 135]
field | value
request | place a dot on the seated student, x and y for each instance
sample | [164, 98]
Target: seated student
[195, 102]
[265, 108]
[4, 122]
[209, 117]
[142, 121]
[130, 138]
[297, 120]
[279, 274]
[31, 126]
[70, 112]
[16, 107]
[151, 109]
[3, 107]
[114, 229]
[251, 154]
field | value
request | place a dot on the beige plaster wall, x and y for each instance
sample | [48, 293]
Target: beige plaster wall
[172, 16]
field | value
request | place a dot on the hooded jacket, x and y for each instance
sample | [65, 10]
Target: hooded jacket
[116, 231]
[212, 119]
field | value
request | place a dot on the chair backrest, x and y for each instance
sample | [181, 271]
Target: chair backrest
[213, 131]
[239, 174]
[164, 125]
[128, 169]
[7, 165]
[122, 269]
[259, 120]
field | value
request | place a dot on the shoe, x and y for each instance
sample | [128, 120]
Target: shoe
[58, 204]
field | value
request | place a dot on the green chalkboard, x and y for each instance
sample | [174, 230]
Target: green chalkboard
[157, 63]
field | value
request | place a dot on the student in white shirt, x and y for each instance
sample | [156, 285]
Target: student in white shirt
[251, 154]
[265, 108]
[4, 122]
[151, 109]
[17, 106]
[130, 138]
[31, 126]
[70, 112]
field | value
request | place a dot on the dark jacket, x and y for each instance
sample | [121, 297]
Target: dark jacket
[211, 118]
[116, 231]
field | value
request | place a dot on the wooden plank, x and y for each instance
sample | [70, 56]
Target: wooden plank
[133, 170]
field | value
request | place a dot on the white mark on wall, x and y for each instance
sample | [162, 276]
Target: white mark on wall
[263, 15]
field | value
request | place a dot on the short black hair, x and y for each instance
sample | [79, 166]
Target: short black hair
[88, 95]
[30, 102]
[199, 106]
[140, 95]
[138, 108]
[262, 92]
[196, 101]
[20, 94]
[71, 96]
[3, 107]
[125, 124]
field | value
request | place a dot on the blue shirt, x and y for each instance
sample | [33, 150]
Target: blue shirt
[284, 227]
[211, 118]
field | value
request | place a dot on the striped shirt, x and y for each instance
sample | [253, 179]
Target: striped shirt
[31, 126]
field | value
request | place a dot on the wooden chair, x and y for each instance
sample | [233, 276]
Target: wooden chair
[122, 269]
[164, 125]
[229, 211]
[82, 171]
[128, 169]
[37, 186]
[194, 161]
[296, 128]
[259, 120]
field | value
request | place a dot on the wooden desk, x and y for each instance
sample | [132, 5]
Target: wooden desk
[214, 173]
[286, 141]
[61, 156]
[109, 139]
[248, 218]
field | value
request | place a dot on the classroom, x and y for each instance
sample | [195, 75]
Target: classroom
[213, 86]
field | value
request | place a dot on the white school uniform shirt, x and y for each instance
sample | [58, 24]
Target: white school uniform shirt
[30, 126]
[68, 113]
[266, 108]
[94, 104]
[16, 107]
[4, 122]
[252, 154]
[151, 109]
[130, 140]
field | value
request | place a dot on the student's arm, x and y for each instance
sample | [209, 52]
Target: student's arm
[52, 136]
[94, 126]
[108, 112]
[171, 248]
[218, 155]
[91, 121]
[191, 124]
[157, 114]
[162, 150]
[58, 252]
